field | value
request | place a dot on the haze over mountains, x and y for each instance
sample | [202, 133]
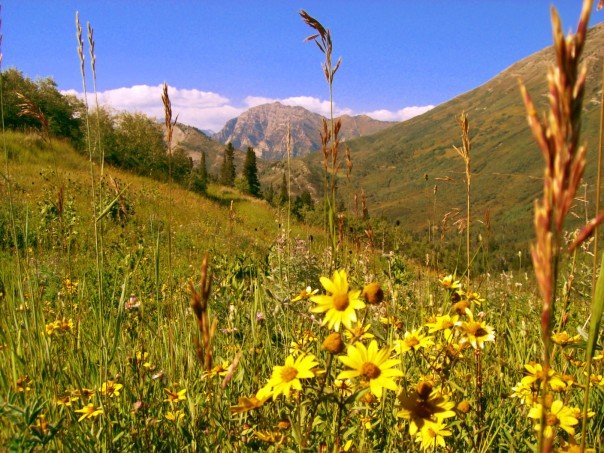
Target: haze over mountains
[264, 128]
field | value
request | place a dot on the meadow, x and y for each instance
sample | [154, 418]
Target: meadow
[138, 315]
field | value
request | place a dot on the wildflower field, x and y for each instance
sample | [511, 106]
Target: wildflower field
[136, 315]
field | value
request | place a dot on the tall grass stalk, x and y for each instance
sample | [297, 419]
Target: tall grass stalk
[464, 153]
[557, 134]
[330, 135]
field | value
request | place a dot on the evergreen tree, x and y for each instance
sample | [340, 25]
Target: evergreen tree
[203, 167]
[227, 171]
[199, 175]
[250, 173]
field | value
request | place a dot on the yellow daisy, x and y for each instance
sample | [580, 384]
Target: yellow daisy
[558, 415]
[111, 388]
[305, 294]
[89, 411]
[359, 332]
[445, 322]
[175, 396]
[413, 340]
[475, 332]
[286, 377]
[423, 405]
[340, 305]
[433, 435]
[372, 366]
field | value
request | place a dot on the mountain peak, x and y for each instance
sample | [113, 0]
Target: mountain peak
[264, 128]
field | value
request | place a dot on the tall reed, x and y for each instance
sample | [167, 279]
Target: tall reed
[557, 135]
[330, 140]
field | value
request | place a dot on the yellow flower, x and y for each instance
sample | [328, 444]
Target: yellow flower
[286, 377]
[175, 396]
[475, 332]
[59, 326]
[392, 321]
[535, 374]
[175, 416]
[111, 388]
[41, 427]
[558, 415]
[340, 305]
[89, 411]
[23, 384]
[564, 339]
[246, 404]
[218, 370]
[450, 283]
[473, 297]
[65, 400]
[84, 393]
[525, 393]
[345, 386]
[413, 340]
[445, 322]
[271, 437]
[433, 435]
[358, 333]
[305, 294]
[372, 366]
[423, 405]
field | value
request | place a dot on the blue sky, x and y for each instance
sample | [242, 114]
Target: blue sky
[221, 57]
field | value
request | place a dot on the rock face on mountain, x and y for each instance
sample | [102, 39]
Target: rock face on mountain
[264, 128]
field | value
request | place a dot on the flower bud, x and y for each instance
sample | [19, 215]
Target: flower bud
[373, 294]
[333, 343]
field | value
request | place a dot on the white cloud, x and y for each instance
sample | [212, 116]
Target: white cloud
[399, 115]
[202, 109]
[208, 110]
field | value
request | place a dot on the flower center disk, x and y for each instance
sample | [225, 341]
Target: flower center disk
[370, 370]
[340, 301]
[288, 373]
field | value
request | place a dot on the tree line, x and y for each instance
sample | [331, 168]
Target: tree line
[131, 141]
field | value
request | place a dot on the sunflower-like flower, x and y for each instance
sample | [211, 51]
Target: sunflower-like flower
[372, 366]
[424, 404]
[535, 374]
[564, 339]
[286, 377]
[433, 435]
[444, 323]
[475, 332]
[111, 388]
[559, 415]
[359, 332]
[89, 411]
[175, 396]
[246, 404]
[414, 340]
[450, 283]
[305, 294]
[341, 304]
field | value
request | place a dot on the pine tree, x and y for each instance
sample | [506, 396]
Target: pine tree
[227, 171]
[199, 175]
[250, 173]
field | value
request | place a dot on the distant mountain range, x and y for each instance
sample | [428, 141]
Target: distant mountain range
[264, 128]
[412, 174]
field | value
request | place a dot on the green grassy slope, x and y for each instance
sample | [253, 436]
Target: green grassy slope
[506, 164]
[39, 172]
